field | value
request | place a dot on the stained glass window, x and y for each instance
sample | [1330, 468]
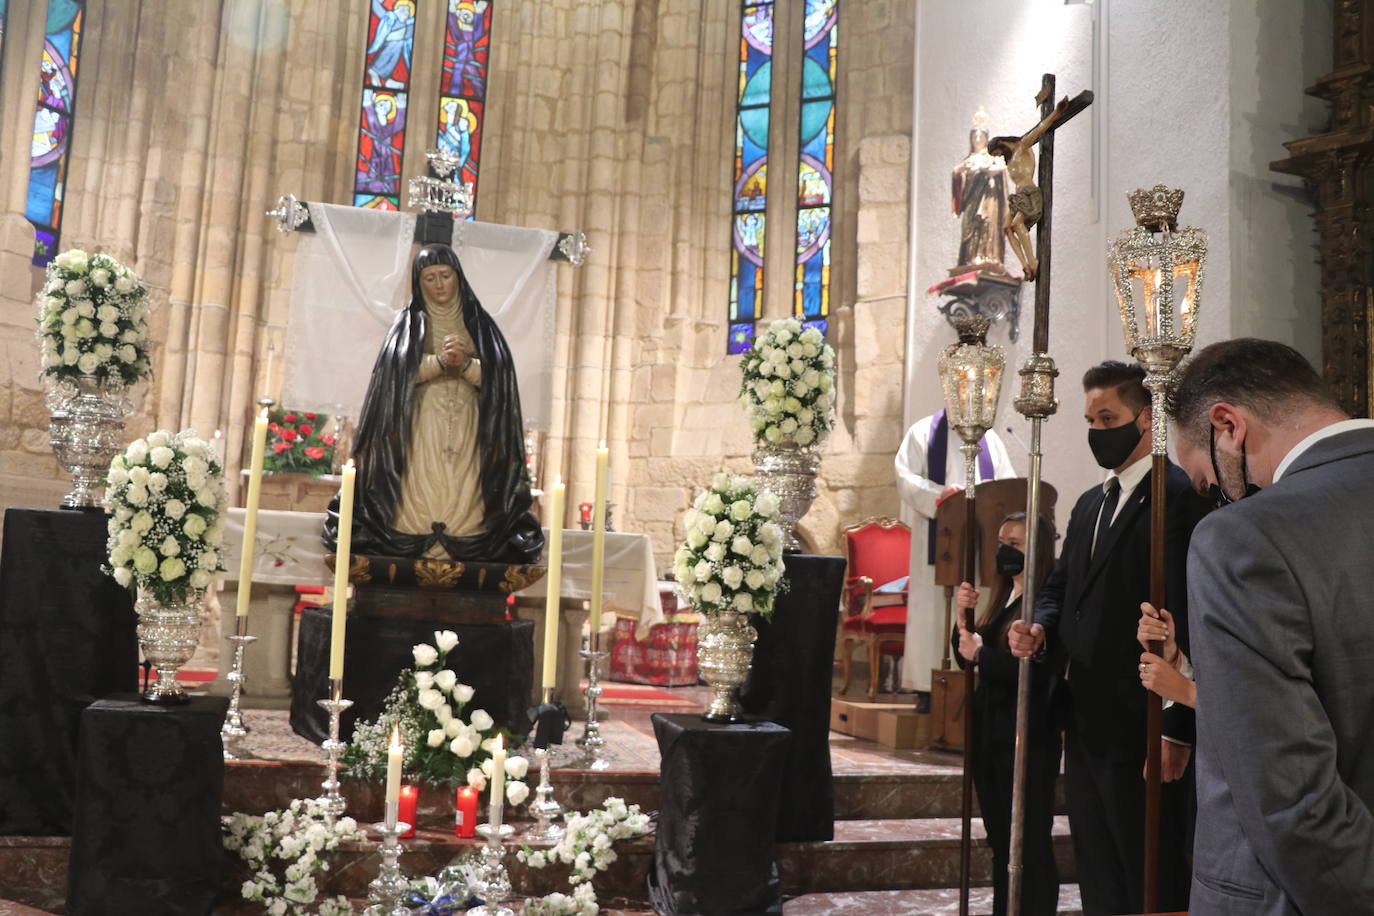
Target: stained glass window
[2, 34]
[382, 123]
[751, 171]
[52, 125]
[463, 85]
[815, 162]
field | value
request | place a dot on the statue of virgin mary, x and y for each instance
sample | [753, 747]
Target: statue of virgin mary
[440, 443]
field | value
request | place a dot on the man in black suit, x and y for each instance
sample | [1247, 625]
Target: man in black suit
[1085, 629]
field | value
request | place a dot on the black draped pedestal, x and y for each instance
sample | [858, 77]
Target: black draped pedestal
[790, 683]
[496, 660]
[66, 638]
[146, 837]
[713, 849]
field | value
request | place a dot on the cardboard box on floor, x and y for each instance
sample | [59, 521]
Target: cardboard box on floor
[895, 725]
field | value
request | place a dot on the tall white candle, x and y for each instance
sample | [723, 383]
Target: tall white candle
[498, 782]
[603, 464]
[394, 753]
[250, 518]
[554, 519]
[341, 559]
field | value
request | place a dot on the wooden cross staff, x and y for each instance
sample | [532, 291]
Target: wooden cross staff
[1031, 205]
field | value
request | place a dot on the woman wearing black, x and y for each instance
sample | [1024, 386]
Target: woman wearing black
[994, 725]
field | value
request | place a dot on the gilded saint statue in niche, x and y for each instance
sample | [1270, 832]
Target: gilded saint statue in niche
[440, 442]
[979, 198]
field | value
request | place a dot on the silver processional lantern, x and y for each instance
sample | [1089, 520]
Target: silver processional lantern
[971, 375]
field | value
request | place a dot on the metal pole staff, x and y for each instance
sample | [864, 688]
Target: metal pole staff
[1036, 402]
[970, 572]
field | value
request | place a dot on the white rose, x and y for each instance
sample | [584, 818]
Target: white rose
[827, 357]
[174, 508]
[516, 792]
[788, 426]
[120, 556]
[770, 533]
[215, 533]
[435, 737]
[424, 679]
[124, 285]
[723, 530]
[744, 602]
[127, 354]
[784, 371]
[444, 714]
[445, 640]
[123, 576]
[75, 288]
[702, 571]
[169, 546]
[425, 655]
[809, 351]
[117, 476]
[161, 456]
[207, 496]
[200, 578]
[145, 561]
[696, 538]
[87, 362]
[100, 277]
[69, 316]
[85, 328]
[765, 369]
[103, 352]
[760, 557]
[194, 526]
[109, 330]
[453, 728]
[461, 746]
[741, 545]
[754, 578]
[136, 496]
[733, 576]
[517, 767]
[107, 313]
[710, 592]
[800, 389]
[129, 538]
[741, 509]
[445, 680]
[70, 356]
[159, 439]
[124, 513]
[429, 698]
[172, 568]
[805, 436]
[142, 522]
[462, 693]
[477, 779]
[714, 504]
[195, 448]
[791, 405]
[794, 350]
[720, 481]
[157, 481]
[767, 503]
[209, 559]
[716, 552]
[139, 476]
[772, 434]
[481, 720]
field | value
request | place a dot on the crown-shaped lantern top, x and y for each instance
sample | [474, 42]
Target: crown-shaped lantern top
[1157, 271]
[971, 376]
[1156, 209]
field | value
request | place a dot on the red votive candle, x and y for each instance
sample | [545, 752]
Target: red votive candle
[465, 820]
[405, 807]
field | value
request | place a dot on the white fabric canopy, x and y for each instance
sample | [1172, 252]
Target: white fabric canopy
[352, 274]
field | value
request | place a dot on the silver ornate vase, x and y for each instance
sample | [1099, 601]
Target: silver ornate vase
[168, 634]
[789, 472]
[86, 431]
[725, 650]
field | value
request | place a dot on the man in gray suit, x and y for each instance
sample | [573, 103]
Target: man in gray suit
[1281, 600]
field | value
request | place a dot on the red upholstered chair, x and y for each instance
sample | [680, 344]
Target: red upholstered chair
[878, 552]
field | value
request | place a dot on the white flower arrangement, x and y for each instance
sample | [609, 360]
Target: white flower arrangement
[788, 389]
[731, 559]
[298, 836]
[587, 848]
[445, 745]
[166, 500]
[93, 320]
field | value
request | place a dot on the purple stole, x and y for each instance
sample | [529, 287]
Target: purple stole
[937, 452]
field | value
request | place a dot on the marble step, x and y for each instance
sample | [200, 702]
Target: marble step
[935, 902]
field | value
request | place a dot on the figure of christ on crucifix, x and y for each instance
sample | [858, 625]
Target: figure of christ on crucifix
[1026, 204]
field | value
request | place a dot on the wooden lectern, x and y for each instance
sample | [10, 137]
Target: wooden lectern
[995, 500]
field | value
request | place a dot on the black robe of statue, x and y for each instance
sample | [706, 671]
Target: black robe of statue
[512, 534]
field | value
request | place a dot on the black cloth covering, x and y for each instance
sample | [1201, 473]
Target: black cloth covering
[147, 832]
[497, 660]
[66, 638]
[994, 756]
[718, 807]
[789, 683]
[512, 533]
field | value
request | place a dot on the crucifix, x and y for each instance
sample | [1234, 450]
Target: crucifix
[1032, 205]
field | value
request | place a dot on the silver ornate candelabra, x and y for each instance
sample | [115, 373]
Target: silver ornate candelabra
[545, 808]
[493, 881]
[387, 891]
[334, 704]
[591, 741]
[233, 730]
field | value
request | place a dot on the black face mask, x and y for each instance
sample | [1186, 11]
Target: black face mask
[1010, 561]
[1218, 494]
[1111, 447]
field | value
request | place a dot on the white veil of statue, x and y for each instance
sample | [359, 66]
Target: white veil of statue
[353, 272]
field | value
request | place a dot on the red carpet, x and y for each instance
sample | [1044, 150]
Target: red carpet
[188, 676]
[644, 695]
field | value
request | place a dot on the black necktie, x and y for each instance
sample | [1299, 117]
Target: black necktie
[1104, 521]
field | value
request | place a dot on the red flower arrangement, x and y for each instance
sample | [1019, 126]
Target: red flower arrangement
[297, 446]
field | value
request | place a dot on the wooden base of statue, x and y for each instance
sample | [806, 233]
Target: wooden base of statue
[947, 709]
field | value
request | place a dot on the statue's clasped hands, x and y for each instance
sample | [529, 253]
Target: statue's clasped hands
[454, 353]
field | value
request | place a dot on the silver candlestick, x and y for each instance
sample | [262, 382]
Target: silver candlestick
[493, 881]
[387, 891]
[545, 809]
[591, 741]
[233, 730]
[335, 704]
